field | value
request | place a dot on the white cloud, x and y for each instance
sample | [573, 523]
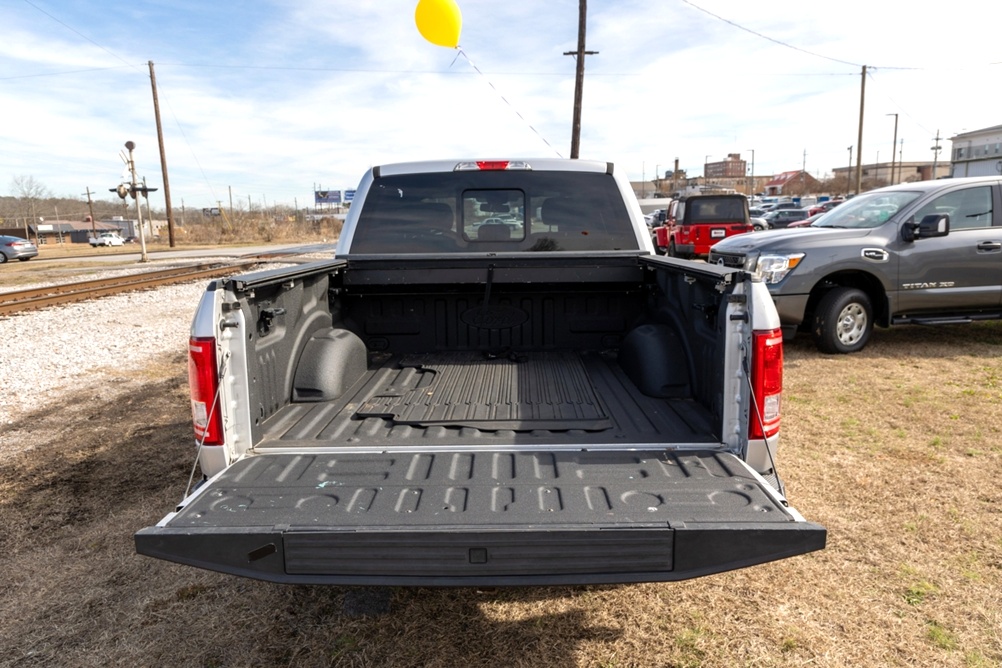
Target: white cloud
[274, 97]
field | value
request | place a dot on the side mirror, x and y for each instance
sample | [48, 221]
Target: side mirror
[932, 225]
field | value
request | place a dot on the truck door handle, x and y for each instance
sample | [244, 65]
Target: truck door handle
[990, 246]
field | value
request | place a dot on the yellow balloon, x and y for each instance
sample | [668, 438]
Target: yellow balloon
[439, 21]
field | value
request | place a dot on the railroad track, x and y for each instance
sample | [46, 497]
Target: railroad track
[24, 300]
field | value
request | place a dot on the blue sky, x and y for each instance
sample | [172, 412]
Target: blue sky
[267, 98]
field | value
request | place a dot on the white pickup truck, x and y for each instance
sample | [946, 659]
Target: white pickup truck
[450, 401]
[106, 239]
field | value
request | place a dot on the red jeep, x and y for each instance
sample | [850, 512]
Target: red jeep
[695, 223]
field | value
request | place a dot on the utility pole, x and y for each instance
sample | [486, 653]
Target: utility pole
[90, 205]
[579, 77]
[163, 159]
[935, 155]
[230, 188]
[859, 139]
[901, 157]
[751, 191]
[893, 144]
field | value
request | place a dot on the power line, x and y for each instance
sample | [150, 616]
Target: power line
[79, 34]
[784, 44]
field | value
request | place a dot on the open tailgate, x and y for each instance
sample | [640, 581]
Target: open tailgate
[482, 518]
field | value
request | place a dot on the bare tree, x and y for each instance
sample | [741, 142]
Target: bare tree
[28, 191]
[26, 187]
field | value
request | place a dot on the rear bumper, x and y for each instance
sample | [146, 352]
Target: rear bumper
[483, 519]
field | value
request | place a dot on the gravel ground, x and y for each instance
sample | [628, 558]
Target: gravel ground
[101, 347]
[95, 344]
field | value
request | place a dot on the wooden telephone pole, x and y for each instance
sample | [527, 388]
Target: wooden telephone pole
[90, 205]
[579, 77]
[163, 158]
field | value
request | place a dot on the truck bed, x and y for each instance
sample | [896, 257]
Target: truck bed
[481, 399]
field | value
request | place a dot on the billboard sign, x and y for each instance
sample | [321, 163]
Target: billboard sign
[327, 196]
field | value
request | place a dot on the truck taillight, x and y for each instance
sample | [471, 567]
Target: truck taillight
[203, 380]
[767, 383]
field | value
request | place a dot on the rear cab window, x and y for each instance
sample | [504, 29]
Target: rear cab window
[494, 211]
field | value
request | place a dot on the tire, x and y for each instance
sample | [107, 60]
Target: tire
[3, 258]
[671, 249]
[843, 321]
[22, 259]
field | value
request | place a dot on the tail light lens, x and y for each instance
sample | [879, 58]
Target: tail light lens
[767, 383]
[491, 166]
[203, 380]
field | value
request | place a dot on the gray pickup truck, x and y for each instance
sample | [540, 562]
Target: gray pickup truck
[494, 382]
[923, 253]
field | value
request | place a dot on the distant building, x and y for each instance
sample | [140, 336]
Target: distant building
[977, 153]
[731, 168]
[69, 231]
[796, 182]
[904, 172]
[75, 231]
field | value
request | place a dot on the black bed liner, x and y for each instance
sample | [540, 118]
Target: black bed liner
[469, 518]
[503, 398]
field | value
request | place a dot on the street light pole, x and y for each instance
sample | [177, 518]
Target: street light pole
[893, 145]
[848, 172]
[751, 190]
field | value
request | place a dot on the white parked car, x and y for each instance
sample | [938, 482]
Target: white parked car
[106, 239]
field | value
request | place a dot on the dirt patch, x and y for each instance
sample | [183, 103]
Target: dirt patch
[896, 450]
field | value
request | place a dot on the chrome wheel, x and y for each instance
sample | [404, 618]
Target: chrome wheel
[852, 324]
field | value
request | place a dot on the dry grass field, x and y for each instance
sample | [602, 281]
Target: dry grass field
[897, 450]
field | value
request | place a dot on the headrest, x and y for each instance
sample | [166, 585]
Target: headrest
[494, 232]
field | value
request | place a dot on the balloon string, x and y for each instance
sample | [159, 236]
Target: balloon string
[462, 53]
